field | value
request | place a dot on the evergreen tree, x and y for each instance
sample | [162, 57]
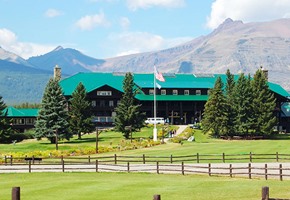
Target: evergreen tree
[53, 115]
[5, 130]
[128, 111]
[263, 104]
[230, 108]
[215, 112]
[243, 103]
[80, 116]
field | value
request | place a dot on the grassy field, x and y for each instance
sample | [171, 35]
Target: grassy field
[120, 186]
[70, 186]
[202, 144]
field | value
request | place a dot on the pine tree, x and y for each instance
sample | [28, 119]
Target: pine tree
[80, 116]
[53, 115]
[243, 103]
[128, 111]
[263, 104]
[5, 130]
[230, 108]
[215, 112]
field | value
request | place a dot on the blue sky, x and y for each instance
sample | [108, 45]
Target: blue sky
[109, 28]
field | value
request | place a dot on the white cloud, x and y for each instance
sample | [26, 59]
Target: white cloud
[136, 4]
[247, 10]
[50, 13]
[9, 42]
[124, 22]
[135, 42]
[89, 22]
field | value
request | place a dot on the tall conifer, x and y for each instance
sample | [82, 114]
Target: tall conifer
[128, 111]
[215, 112]
[53, 115]
[79, 112]
[5, 127]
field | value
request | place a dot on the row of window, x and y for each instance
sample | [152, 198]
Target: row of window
[175, 92]
[103, 103]
[23, 121]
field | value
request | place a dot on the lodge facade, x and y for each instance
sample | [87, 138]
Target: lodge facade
[180, 100]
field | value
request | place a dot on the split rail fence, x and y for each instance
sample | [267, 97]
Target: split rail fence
[193, 164]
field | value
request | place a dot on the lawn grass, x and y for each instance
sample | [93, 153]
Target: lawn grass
[202, 145]
[136, 186]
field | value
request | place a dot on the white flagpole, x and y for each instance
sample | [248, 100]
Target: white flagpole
[154, 129]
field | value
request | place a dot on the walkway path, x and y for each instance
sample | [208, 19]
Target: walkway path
[180, 129]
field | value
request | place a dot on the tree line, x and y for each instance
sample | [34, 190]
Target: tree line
[244, 107]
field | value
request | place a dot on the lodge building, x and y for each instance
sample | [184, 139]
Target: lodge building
[180, 100]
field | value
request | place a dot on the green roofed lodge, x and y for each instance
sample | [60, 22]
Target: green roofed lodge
[179, 100]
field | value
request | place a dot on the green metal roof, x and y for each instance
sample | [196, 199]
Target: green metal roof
[93, 81]
[21, 112]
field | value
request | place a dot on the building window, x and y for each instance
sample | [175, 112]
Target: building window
[30, 121]
[186, 92]
[151, 92]
[198, 92]
[111, 103]
[102, 103]
[93, 103]
[163, 92]
[208, 91]
[19, 121]
[104, 93]
[174, 92]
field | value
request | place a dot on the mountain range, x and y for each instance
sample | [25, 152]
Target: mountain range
[234, 45]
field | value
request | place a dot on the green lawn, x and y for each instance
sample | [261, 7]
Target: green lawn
[120, 186]
[202, 145]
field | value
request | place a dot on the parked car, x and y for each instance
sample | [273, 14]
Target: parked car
[159, 120]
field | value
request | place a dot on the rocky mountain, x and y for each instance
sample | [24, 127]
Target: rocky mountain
[70, 60]
[241, 47]
[234, 45]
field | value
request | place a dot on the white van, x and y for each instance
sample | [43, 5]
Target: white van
[159, 120]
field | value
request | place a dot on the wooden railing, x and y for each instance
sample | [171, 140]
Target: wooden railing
[147, 159]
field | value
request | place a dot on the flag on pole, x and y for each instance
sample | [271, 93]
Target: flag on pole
[158, 75]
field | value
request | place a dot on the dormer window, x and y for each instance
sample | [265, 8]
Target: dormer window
[198, 92]
[186, 92]
[151, 92]
[174, 92]
[163, 92]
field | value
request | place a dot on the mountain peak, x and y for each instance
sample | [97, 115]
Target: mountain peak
[58, 48]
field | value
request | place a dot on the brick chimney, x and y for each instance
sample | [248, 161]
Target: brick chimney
[265, 72]
[57, 73]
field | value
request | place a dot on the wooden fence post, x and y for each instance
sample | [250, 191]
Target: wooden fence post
[182, 168]
[250, 171]
[33, 160]
[115, 158]
[97, 165]
[89, 159]
[5, 160]
[16, 193]
[266, 171]
[156, 197]
[223, 157]
[171, 159]
[251, 158]
[277, 157]
[62, 163]
[209, 169]
[231, 171]
[157, 167]
[197, 157]
[128, 167]
[144, 159]
[265, 193]
[281, 172]
[11, 160]
[29, 166]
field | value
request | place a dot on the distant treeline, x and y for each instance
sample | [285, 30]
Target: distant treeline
[27, 105]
